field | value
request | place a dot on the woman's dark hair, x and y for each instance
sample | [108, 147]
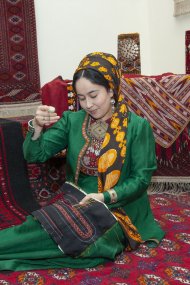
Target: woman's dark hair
[94, 77]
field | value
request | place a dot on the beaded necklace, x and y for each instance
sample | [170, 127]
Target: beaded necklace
[96, 131]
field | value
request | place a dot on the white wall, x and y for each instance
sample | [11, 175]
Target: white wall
[167, 37]
[69, 29]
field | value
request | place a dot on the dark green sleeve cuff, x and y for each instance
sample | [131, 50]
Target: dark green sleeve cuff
[107, 198]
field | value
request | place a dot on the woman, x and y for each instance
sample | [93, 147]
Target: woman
[110, 155]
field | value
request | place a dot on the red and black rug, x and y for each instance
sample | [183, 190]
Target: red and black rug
[16, 198]
[168, 264]
[19, 70]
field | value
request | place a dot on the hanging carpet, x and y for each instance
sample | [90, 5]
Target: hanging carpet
[16, 199]
[19, 70]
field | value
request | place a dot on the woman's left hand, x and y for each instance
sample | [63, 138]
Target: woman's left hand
[96, 196]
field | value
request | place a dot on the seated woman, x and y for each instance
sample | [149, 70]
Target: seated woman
[110, 156]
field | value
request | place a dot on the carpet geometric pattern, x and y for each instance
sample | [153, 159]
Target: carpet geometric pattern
[168, 264]
[163, 101]
[46, 179]
[19, 70]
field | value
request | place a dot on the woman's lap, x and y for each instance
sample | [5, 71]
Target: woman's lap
[28, 246]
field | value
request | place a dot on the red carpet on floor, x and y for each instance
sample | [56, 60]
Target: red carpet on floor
[168, 264]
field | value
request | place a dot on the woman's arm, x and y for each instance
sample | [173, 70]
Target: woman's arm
[48, 143]
[143, 163]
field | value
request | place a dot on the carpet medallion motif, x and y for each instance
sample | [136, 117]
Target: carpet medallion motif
[129, 53]
[168, 264]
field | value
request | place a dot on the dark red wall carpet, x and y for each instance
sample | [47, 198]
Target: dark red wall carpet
[19, 71]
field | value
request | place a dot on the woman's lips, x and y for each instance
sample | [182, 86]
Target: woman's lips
[93, 112]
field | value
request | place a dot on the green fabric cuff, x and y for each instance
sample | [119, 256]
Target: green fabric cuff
[107, 197]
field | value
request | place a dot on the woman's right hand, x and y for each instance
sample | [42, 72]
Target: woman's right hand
[45, 116]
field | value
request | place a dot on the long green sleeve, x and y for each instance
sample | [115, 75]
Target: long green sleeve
[140, 163]
[52, 141]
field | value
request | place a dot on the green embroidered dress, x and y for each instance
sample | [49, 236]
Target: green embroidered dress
[28, 246]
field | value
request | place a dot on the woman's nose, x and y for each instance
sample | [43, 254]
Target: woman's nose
[88, 103]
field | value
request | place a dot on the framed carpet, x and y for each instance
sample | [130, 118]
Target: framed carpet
[129, 53]
[19, 70]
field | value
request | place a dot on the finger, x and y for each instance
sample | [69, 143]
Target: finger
[43, 108]
[56, 118]
[50, 121]
[41, 119]
[53, 115]
[51, 109]
[85, 200]
[41, 113]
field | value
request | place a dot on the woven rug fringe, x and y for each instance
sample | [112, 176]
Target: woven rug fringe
[181, 7]
[17, 110]
[168, 188]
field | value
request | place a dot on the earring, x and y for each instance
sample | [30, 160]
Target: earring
[113, 104]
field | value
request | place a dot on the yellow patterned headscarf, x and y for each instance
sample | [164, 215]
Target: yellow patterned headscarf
[106, 64]
[113, 149]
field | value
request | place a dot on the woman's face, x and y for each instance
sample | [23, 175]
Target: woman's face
[94, 99]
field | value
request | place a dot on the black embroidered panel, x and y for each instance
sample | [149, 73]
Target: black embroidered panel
[72, 226]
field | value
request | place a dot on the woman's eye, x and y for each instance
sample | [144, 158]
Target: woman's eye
[81, 98]
[93, 96]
